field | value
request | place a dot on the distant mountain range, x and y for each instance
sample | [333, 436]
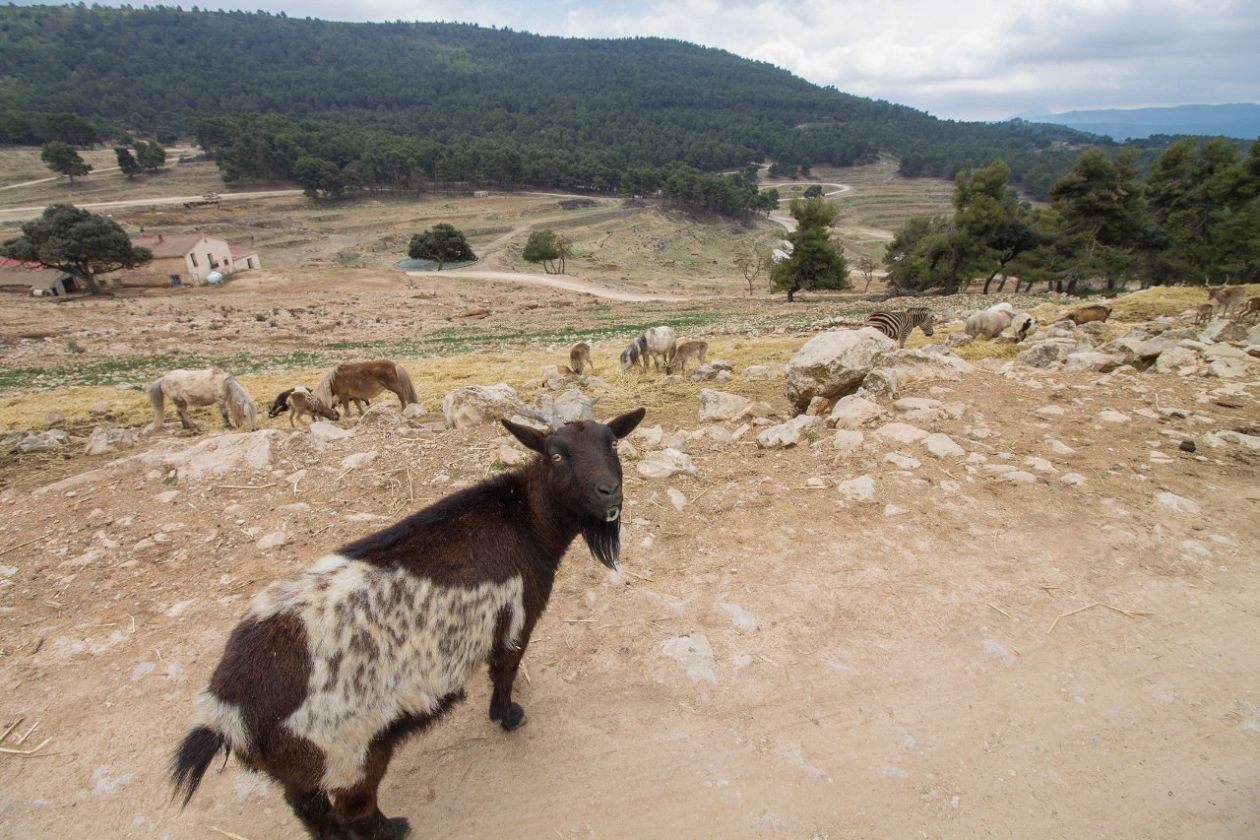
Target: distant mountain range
[1241, 120]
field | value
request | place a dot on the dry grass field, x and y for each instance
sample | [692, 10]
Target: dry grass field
[959, 655]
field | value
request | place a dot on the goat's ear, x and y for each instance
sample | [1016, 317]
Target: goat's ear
[624, 425]
[532, 438]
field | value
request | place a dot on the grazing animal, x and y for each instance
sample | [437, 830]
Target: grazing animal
[330, 670]
[1252, 309]
[1204, 313]
[280, 404]
[305, 404]
[1093, 312]
[688, 351]
[654, 343]
[897, 325]
[988, 323]
[358, 382]
[1226, 297]
[580, 358]
[210, 386]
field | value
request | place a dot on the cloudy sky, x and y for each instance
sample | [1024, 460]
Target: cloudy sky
[973, 59]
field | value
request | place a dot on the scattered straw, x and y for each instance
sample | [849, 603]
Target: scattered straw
[525, 671]
[26, 753]
[1129, 613]
[227, 834]
[9, 731]
[21, 545]
[999, 609]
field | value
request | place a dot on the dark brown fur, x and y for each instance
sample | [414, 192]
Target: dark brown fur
[518, 524]
[1093, 312]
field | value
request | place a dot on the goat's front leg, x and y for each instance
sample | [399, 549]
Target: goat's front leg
[504, 661]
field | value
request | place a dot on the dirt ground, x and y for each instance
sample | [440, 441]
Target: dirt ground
[918, 665]
[961, 656]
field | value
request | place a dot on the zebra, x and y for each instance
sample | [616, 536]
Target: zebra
[897, 325]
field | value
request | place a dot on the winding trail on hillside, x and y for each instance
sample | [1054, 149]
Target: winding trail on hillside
[550, 281]
[787, 222]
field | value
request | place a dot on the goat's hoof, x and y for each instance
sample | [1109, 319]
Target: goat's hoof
[395, 828]
[513, 718]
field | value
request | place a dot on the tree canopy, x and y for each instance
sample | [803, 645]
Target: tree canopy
[441, 243]
[816, 261]
[77, 242]
[61, 157]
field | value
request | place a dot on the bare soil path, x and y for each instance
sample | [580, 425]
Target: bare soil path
[17, 213]
[551, 281]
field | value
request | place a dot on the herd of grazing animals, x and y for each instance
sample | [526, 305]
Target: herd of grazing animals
[328, 671]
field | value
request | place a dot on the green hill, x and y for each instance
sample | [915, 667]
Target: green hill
[572, 110]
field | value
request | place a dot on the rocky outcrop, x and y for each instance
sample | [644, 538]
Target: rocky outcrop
[833, 364]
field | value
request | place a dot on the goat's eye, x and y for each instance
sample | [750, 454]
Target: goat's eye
[557, 457]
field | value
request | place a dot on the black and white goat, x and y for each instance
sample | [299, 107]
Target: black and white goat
[329, 670]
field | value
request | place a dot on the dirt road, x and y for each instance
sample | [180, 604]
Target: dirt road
[551, 281]
[11, 214]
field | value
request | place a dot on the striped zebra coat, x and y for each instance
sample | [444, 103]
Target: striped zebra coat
[897, 325]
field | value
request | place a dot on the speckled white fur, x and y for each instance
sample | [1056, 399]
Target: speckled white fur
[383, 643]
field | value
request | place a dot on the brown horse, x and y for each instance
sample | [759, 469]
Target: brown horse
[357, 381]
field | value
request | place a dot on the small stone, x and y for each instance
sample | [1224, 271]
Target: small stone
[1050, 411]
[626, 449]
[1019, 477]
[943, 446]
[1187, 446]
[1039, 464]
[1072, 479]
[891, 510]
[860, 489]
[666, 463]
[786, 434]
[900, 432]
[1110, 415]
[903, 462]
[848, 440]
[358, 459]
[273, 540]
[1059, 448]
[677, 499]
[815, 482]
[510, 455]
[742, 619]
[1178, 504]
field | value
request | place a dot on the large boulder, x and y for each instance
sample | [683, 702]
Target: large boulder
[475, 404]
[1093, 360]
[108, 438]
[219, 455]
[719, 405]
[665, 464]
[1048, 353]
[833, 364]
[569, 407]
[894, 370]
[1137, 347]
[1223, 329]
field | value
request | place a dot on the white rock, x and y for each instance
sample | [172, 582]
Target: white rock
[719, 405]
[1072, 479]
[943, 446]
[1019, 477]
[743, 620]
[1177, 360]
[1178, 504]
[860, 489]
[1228, 369]
[218, 455]
[626, 449]
[904, 462]
[896, 369]
[166, 498]
[1039, 464]
[1050, 411]
[900, 432]
[786, 434]
[1058, 447]
[358, 459]
[891, 510]
[694, 654]
[275, 539]
[847, 440]
[666, 463]
[677, 499]
[650, 435]
[510, 455]
[833, 363]
[1110, 415]
[107, 439]
[322, 430]
[475, 404]
[853, 412]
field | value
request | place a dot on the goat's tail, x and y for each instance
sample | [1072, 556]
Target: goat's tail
[243, 408]
[192, 758]
[408, 394]
[158, 401]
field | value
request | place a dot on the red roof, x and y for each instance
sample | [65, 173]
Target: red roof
[5, 262]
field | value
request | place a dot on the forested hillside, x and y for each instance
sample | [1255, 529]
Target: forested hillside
[557, 103]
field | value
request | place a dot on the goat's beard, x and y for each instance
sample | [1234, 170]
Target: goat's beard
[603, 538]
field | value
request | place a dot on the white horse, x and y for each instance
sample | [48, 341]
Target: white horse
[656, 343]
[202, 387]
